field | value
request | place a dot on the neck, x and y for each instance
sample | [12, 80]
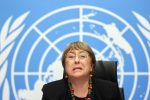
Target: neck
[80, 86]
[79, 82]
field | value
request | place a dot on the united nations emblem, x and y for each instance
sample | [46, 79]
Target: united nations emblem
[36, 59]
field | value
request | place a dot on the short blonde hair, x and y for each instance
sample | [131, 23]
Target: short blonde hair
[78, 46]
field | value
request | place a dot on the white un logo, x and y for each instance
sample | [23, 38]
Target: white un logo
[37, 56]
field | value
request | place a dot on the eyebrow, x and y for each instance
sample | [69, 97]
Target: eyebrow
[79, 52]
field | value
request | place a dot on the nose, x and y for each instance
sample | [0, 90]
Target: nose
[77, 60]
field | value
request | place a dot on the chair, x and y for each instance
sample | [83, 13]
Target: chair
[107, 70]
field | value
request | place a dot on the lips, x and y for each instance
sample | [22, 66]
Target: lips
[77, 68]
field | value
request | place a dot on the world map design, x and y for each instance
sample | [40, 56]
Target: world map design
[37, 55]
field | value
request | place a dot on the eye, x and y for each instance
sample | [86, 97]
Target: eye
[71, 56]
[83, 56]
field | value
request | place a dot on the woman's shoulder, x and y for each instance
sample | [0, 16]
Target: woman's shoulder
[55, 84]
[106, 89]
[54, 90]
[104, 86]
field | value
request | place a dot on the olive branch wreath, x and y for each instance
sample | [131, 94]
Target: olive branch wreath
[8, 34]
[144, 26]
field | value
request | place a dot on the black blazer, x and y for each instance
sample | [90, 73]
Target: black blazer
[102, 90]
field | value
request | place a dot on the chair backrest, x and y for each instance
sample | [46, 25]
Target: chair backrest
[107, 70]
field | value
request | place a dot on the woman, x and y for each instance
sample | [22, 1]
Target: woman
[78, 61]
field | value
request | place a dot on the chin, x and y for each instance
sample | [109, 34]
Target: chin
[77, 76]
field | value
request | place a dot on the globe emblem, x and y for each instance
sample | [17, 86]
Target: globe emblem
[37, 58]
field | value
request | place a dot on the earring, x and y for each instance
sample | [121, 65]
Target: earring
[66, 76]
[91, 74]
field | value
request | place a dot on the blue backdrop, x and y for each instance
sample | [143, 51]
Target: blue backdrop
[33, 34]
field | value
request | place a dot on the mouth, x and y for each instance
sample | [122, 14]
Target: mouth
[77, 69]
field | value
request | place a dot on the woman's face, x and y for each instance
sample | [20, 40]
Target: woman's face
[78, 63]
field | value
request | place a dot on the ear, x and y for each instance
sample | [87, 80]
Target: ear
[92, 67]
